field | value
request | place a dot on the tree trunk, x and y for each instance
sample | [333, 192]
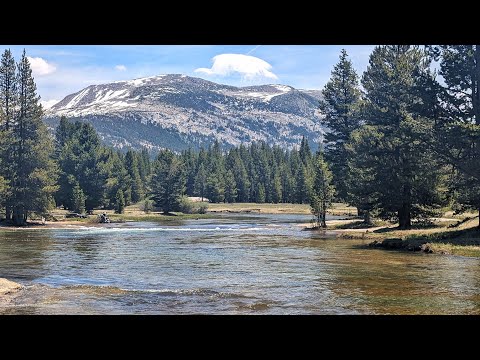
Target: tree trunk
[324, 223]
[8, 213]
[360, 212]
[366, 217]
[479, 218]
[19, 216]
[404, 217]
[476, 86]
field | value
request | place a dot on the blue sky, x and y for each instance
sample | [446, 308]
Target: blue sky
[62, 70]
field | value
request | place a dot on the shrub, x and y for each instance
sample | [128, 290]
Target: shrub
[187, 206]
[147, 206]
[202, 209]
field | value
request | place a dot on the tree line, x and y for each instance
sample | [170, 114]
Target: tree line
[402, 143]
[404, 138]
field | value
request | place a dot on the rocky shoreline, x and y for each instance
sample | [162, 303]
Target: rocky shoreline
[8, 287]
[399, 244]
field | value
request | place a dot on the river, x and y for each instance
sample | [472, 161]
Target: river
[249, 264]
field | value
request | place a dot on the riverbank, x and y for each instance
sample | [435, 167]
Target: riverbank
[441, 237]
[135, 213]
[450, 234]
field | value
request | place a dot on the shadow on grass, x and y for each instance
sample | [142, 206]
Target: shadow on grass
[355, 225]
[470, 236]
[417, 226]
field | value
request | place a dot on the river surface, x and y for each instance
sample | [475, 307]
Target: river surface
[249, 264]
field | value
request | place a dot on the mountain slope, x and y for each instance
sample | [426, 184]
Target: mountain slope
[178, 111]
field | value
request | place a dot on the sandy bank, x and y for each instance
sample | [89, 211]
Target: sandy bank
[52, 225]
[8, 287]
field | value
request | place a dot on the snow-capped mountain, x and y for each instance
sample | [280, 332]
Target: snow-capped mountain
[178, 111]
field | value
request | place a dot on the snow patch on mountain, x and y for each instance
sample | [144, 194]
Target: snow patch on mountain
[178, 111]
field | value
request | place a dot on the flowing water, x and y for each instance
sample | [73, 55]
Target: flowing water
[252, 264]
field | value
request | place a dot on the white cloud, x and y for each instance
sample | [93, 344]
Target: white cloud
[47, 104]
[41, 66]
[250, 67]
[120, 67]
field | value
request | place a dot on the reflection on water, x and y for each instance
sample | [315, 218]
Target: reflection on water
[253, 264]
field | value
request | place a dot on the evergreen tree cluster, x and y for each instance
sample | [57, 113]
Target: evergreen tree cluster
[27, 171]
[406, 143]
[94, 176]
[255, 173]
[402, 143]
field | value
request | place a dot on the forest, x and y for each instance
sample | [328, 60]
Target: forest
[402, 143]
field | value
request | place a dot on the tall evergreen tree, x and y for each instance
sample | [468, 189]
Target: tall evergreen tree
[200, 182]
[276, 187]
[118, 179]
[322, 191]
[63, 133]
[78, 199]
[8, 89]
[458, 120]
[131, 164]
[303, 185]
[35, 173]
[230, 187]
[397, 106]
[119, 202]
[4, 183]
[216, 187]
[81, 160]
[363, 164]
[8, 107]
[340, 106]
[168, 181]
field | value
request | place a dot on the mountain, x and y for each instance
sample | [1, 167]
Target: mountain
[177, 111]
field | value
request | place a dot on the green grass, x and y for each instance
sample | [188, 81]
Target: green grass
[453, 249]
[282, 208]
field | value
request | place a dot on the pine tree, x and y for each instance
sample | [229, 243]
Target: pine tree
[131, 164]
[260, 194]
[34, 173]
[302, 185]
[277, 187]
[168, 181]
[215, 187]
[144, 168]
[322, 191]
[230, 187]
[81, 160]
[78, 199]
[458, 120]
[4, 183]
[305, 152]
[8, 89]
[190, 162]
[119, 202]
[118, 179]
[201, 182]
[398, 108]
[363, 154]
[63, 134]
[8, 106]
[340, 106]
